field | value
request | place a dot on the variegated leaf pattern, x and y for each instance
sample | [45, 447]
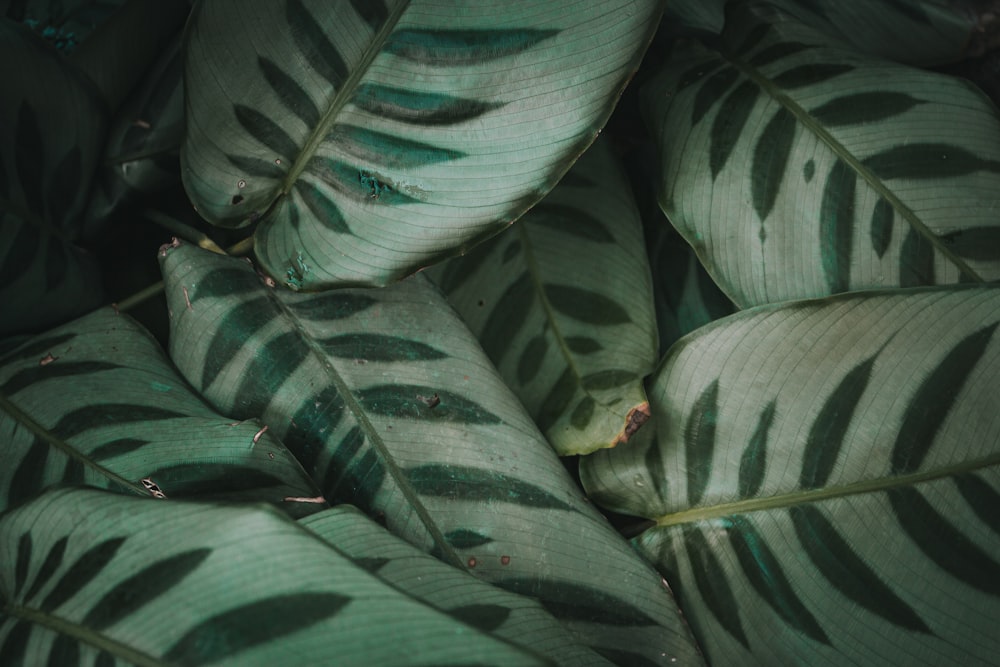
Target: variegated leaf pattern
[51, 127]
[516, 618]
[388, 400]
[562, 304]
[370, 139]
[95, 578]
[797, 168]
[825, 479]
[97, 402]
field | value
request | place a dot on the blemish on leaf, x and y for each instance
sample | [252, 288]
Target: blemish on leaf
[144, 124]
[472, 562]
[431, 401]
[241, 184]
[152, 487]
[319, 500]
[47, 359]
[237, 199]
[371, 184]
[174, 243]
[296, 273]
[636, 417]
[187, 298]
[256, 436]
[505, 560]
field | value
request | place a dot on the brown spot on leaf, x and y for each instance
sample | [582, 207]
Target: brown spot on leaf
[174, 243]
[472, 562]
[637, 416]
[505, 560]
[47, 359]
[319, 500]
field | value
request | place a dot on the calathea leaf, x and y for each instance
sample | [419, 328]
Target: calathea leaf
[370, 139]
[96, 402]
[516, 618]
[389, 402]
[562, 304]
[86, 574]
[823, 479]
[860, 174]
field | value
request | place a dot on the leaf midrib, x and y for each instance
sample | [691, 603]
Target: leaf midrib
[844, 154]
[25, 420]
[341, 98]
[372, 435]
[787, 500]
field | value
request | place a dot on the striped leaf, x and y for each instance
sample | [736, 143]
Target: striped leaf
[51, 126]
[563, 307]
[824, 479]
[96, 402]
[370, 139]
[808, 170]
[389, 402]
[519, 620]
[89, 577]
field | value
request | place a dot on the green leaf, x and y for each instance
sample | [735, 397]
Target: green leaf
[96, 402]
[563, 307]
[842, 510]
[867, 181]
[398, 136]
[433, 445]
[221, 583]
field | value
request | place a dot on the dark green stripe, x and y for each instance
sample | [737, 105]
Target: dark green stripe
[23, 563]
[607, 379]
[458, 270]
[753, 462]
[205, 479]
[699, 441]
[933, 400]
[318, 413]
[859, 108]
[53, 561]
[569, 220]
[119, 447]
[927, 161]
[981, 497]
[767, 577]
[65, 184]
[266, 131]
[531, 358]
[916, 260]
[268, 370]
[37, 347]
[360, 185]
[88, 566]
[322, 207]
[464, 538]
[15, 645]
[289, 92]
[695, 74]
[770, 161]
[379, 347]
[29, 158]
[74, 473]
[653, 460]
[371, 564]
[65, 651]
[452, 48]
[729, 123]
[826, 436]
[228, 281]
[417, 107]
[943, 542]
[241, 628]
[710, 578]
[109, 414]
[709, 93]
[836, 226]
[576, 602]
[585, 305]
[507, 318]
[582, 344]
[807, 75]
[319, 52]
[129, 595]
[29, 475]
[847, 572]
[374, 12]
[476, 484]
[883, 219]
[809, 170]
[582, 413]
[770, 54]
[330, 305]
[239, 325]
[410, 401]
[621, 657]
[252, 166]
[977, 243]
[485, 617]
[557, 400]
[341, 469]
[379, 148]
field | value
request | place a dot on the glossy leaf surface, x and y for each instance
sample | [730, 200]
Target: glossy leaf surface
[96, 402]
[797, 168]
[373, 138]
[89, 577]
[389, 403]
[562, 304]
[823, 479]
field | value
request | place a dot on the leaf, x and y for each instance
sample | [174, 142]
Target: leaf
[841, 511]
[561, 301]
[433, 445]
[222, 585]
[371, 141]
[96, 402]
[854, 183]
[520, 620]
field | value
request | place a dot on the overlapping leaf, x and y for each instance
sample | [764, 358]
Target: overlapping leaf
[88, 577]
[562, 304]
[96, 402]
[389, 402]
[825, 477]
[372, 138]
[51, 127]
[516, 618]
[797, 168]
